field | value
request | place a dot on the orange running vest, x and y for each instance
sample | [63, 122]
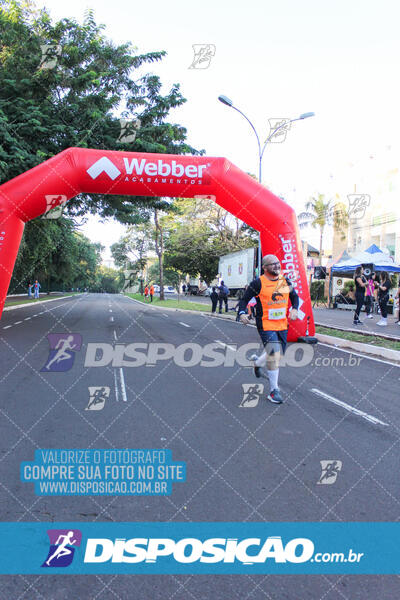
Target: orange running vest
[273, 301]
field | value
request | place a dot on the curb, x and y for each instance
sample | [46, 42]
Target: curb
[374, 351]
[27, 304]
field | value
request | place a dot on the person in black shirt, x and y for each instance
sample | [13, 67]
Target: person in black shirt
[214, 300]
[361, 284]
[383, 297]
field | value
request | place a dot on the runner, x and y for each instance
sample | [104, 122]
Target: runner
[62, 346]
[272, 291]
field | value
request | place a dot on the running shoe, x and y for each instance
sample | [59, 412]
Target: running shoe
[275, 397]
[257, 370]
[370, 317]
[358, 322]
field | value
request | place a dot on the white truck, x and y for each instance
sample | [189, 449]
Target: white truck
[237, 269]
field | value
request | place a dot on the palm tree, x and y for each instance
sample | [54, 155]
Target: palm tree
[321, 213]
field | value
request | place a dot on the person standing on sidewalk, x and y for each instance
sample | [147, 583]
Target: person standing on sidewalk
[361, 284]
[223, 296]
[272, 291]
[151, 292]
[36, 288]
[398, 304]
[369, 295]
[214, 300]
[383, 297]
[29, 289]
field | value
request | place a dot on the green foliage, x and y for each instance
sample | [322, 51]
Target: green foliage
[317, 290]
[171, 276]
[46, 110]
[107, 280]
[349, 286]
[54, 252]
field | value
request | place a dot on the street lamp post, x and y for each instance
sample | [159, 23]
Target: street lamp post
[229, 103]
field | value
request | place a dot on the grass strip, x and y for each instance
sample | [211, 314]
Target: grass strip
[169, 303]
[356, 337]
[35, 300]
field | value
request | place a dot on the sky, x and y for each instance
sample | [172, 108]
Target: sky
[275, 60]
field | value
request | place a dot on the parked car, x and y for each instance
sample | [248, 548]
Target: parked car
[156, 289]
[169, 289]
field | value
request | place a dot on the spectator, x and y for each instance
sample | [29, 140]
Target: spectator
[151, 292]
[184, 289]
[361, 284]
[251, 308]
[223, 296]
[36, 288]
[214, 300]
[370, 295]
[383, 297]
[398, 304]
[29, 289]
[146, 292]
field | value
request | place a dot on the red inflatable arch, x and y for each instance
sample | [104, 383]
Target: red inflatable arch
[78, 170]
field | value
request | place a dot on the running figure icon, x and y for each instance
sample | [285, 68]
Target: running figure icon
[62, 354]
[63, 347]
[62, 549]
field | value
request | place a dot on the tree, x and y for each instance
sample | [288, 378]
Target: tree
[199, 232]
[321, 213]
[74, 103]
[57, 253]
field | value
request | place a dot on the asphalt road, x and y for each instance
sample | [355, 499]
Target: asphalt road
[249, 461]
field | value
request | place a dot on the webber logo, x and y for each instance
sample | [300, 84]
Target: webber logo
[146, 171]
[248, 551]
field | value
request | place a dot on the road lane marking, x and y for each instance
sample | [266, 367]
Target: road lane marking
[110, 310]
[116, 386]
[184, 324]
[7, 327]
[27, 318]
[111, 319]
[17, 322]
[352, 409]
[121, 376]
[115, 335]
[233, 348]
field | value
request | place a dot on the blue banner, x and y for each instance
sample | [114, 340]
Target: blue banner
[191, 548]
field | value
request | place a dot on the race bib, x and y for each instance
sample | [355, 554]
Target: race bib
[275, 314]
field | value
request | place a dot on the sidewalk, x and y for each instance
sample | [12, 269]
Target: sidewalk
[344, 320]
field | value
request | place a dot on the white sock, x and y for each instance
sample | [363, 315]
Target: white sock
[273, 379]
[261, 360]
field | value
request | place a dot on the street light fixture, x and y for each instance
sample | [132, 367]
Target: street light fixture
[228, 102]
